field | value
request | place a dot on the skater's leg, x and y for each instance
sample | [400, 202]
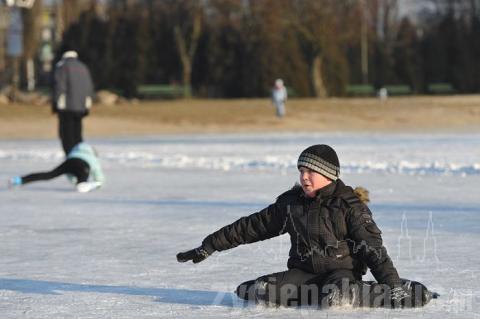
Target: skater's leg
[280, 107]
[74, 166]
[373, 294]
[43, 176]
[79, 168]
[419, 294]
[376, 295]
[77, 129]
[288, 288]
[336, 288]
[246, 290]
[67, 130]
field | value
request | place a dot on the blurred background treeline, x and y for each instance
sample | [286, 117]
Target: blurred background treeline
[237, 48]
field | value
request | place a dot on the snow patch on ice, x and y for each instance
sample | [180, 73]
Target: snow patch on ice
[254, 162]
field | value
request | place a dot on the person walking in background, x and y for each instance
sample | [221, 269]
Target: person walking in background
[72, 98]
[81, 166]
[279, 97]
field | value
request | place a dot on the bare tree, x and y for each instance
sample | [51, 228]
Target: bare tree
[318, 26]
[3, 28]
[187, 30]
[31, 38]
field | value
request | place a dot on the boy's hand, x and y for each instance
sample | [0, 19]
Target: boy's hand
[196, 255]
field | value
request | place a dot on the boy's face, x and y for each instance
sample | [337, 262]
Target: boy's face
[312, 181]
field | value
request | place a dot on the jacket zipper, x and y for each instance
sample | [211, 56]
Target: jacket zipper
[308, 229]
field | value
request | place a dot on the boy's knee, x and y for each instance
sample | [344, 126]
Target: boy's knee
[246, 290]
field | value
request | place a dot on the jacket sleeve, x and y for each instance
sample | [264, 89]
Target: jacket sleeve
[267, 223]
[59, 88]
[90, 91]
[368, 245]
[90, 86]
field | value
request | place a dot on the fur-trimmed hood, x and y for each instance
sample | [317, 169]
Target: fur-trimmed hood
[362, 193]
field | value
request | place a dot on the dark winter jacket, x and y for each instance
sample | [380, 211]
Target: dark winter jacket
[73, 88]
[334, 230]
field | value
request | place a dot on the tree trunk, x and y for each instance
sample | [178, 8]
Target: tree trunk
[187, 50]
[3, 27]
[30, 74]
[185, 60]
[15, 78]
[31, 37]
[317, 83]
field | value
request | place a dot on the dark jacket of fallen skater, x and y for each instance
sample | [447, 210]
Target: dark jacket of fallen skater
[333, 240]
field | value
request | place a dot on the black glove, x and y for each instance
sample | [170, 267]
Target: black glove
[196, 255]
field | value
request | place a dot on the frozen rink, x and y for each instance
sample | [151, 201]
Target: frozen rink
[111, 253]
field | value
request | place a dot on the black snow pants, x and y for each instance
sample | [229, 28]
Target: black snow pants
[295, 288]
[73, 166]
[70, 129]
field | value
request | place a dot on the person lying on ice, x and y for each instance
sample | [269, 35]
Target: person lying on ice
[81, 166]
[333, 238]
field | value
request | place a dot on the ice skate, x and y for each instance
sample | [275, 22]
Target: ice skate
[14, 182]
[86, 187]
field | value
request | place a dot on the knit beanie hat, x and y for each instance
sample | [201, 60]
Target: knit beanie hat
[322, 159]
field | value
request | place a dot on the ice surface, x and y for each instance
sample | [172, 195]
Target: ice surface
[111, 253]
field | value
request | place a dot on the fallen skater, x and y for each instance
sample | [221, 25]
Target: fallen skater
[81, 166]
[333, 240]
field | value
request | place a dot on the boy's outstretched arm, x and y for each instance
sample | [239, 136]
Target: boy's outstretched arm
[265, 224]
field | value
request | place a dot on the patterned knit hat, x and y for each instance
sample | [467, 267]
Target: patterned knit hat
[321, 159]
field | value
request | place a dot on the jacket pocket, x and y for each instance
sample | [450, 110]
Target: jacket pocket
[373, 228]
[338, 250]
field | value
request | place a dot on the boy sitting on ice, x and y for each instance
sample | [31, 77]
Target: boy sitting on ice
[333, 239]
